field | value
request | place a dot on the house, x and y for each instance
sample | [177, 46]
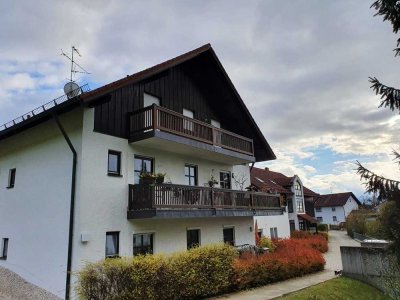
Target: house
[333, 209]
[294, 196]
[72, 172]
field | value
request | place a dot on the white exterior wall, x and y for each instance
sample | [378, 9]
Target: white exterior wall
[293, 216]
[34, 215]
[341, 212]
[105, 199]
[281, 222]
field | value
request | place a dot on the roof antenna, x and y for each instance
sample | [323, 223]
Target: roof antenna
[72, 89]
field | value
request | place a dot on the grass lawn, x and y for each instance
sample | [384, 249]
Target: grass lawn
[338, 288]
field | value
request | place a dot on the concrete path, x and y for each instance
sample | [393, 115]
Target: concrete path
[333, 262]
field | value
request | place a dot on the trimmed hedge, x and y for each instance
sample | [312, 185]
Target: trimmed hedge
[290, 259]
[316, 241]
[199, 272]
[323, 227]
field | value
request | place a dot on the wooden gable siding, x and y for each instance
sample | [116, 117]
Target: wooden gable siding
[175, 88]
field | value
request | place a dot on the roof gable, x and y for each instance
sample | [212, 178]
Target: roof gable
[338, 199]
[210, 70]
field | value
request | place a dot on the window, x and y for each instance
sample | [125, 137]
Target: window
[274, 232]
[333, 208]
[11, 178]
[259, 233]
[319, 219]
[191, 175]
[290, 205]
[229, 236]
[114, 163]
[297, 189]
[4, 248]
[193, 238]
[301, 225]
[292, 225]
[143, 243]
[318, 209]
[187, 124]
[334, 219]
[149, 100]
[225, 180]
[300, 205]
[112, 244]
[142, 164]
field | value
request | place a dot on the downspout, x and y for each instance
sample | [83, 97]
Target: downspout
[72, 206]
[251, 167]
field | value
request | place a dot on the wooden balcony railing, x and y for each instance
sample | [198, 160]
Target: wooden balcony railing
[159, 118]
[158, 196]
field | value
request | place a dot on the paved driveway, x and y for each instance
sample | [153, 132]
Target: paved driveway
[333, 262]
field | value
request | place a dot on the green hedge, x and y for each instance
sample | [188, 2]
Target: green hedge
[199, 272]
[322, 227]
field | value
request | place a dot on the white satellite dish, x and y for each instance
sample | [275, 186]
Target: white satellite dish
[71, 89]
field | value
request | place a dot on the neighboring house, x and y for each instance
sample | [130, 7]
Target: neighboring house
[70, 171]
[334, 208]
[294, 194]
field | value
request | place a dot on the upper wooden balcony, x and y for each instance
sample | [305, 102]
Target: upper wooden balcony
[157, 121]
[182, 201]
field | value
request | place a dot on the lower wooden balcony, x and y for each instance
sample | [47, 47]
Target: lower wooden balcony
[181, 201]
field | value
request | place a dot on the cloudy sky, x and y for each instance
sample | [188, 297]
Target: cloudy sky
[301, 67]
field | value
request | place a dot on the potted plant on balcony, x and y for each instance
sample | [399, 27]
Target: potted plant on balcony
[212, 182]
[160, 177]
[147, 178]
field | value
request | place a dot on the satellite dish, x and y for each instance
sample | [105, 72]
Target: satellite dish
[71, 89]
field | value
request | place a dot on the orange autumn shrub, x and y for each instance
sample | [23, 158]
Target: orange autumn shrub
[290, 259]
[316, 241]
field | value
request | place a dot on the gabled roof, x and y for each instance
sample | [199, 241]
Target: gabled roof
[275, 180]
[105, 89]
[262, 150]
[264, 182]
[338, 199]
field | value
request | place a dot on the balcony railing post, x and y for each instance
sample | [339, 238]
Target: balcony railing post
[155, 121]
[251, 199]
[212, 197]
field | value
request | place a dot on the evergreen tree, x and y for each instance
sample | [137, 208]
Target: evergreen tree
[388, 189]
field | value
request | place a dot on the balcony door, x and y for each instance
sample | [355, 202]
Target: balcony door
[142, 164]
[225, 180]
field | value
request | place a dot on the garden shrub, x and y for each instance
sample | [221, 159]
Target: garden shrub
[290, 259]
[199, 272]
[299, 234]
[266, 242]
[322, 227]
[324, 234]
[316, 241]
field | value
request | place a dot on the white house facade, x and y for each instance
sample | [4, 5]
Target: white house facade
[57, 212]
[333, 209]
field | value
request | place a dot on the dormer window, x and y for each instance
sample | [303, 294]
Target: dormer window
[297, 189]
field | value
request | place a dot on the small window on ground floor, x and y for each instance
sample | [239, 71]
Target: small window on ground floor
[319, 219]
[229, 235]
[302, 225]
[274, 232]
[112, 244]
[193, 238]
[259, 233]
[334, 219]
[292, 225]
[143, 243]
[4, 248]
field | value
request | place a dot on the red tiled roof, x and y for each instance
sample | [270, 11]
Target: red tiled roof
[265, 181]
[272, 179]
[87, 97]
[338, 199]
[307, 218]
